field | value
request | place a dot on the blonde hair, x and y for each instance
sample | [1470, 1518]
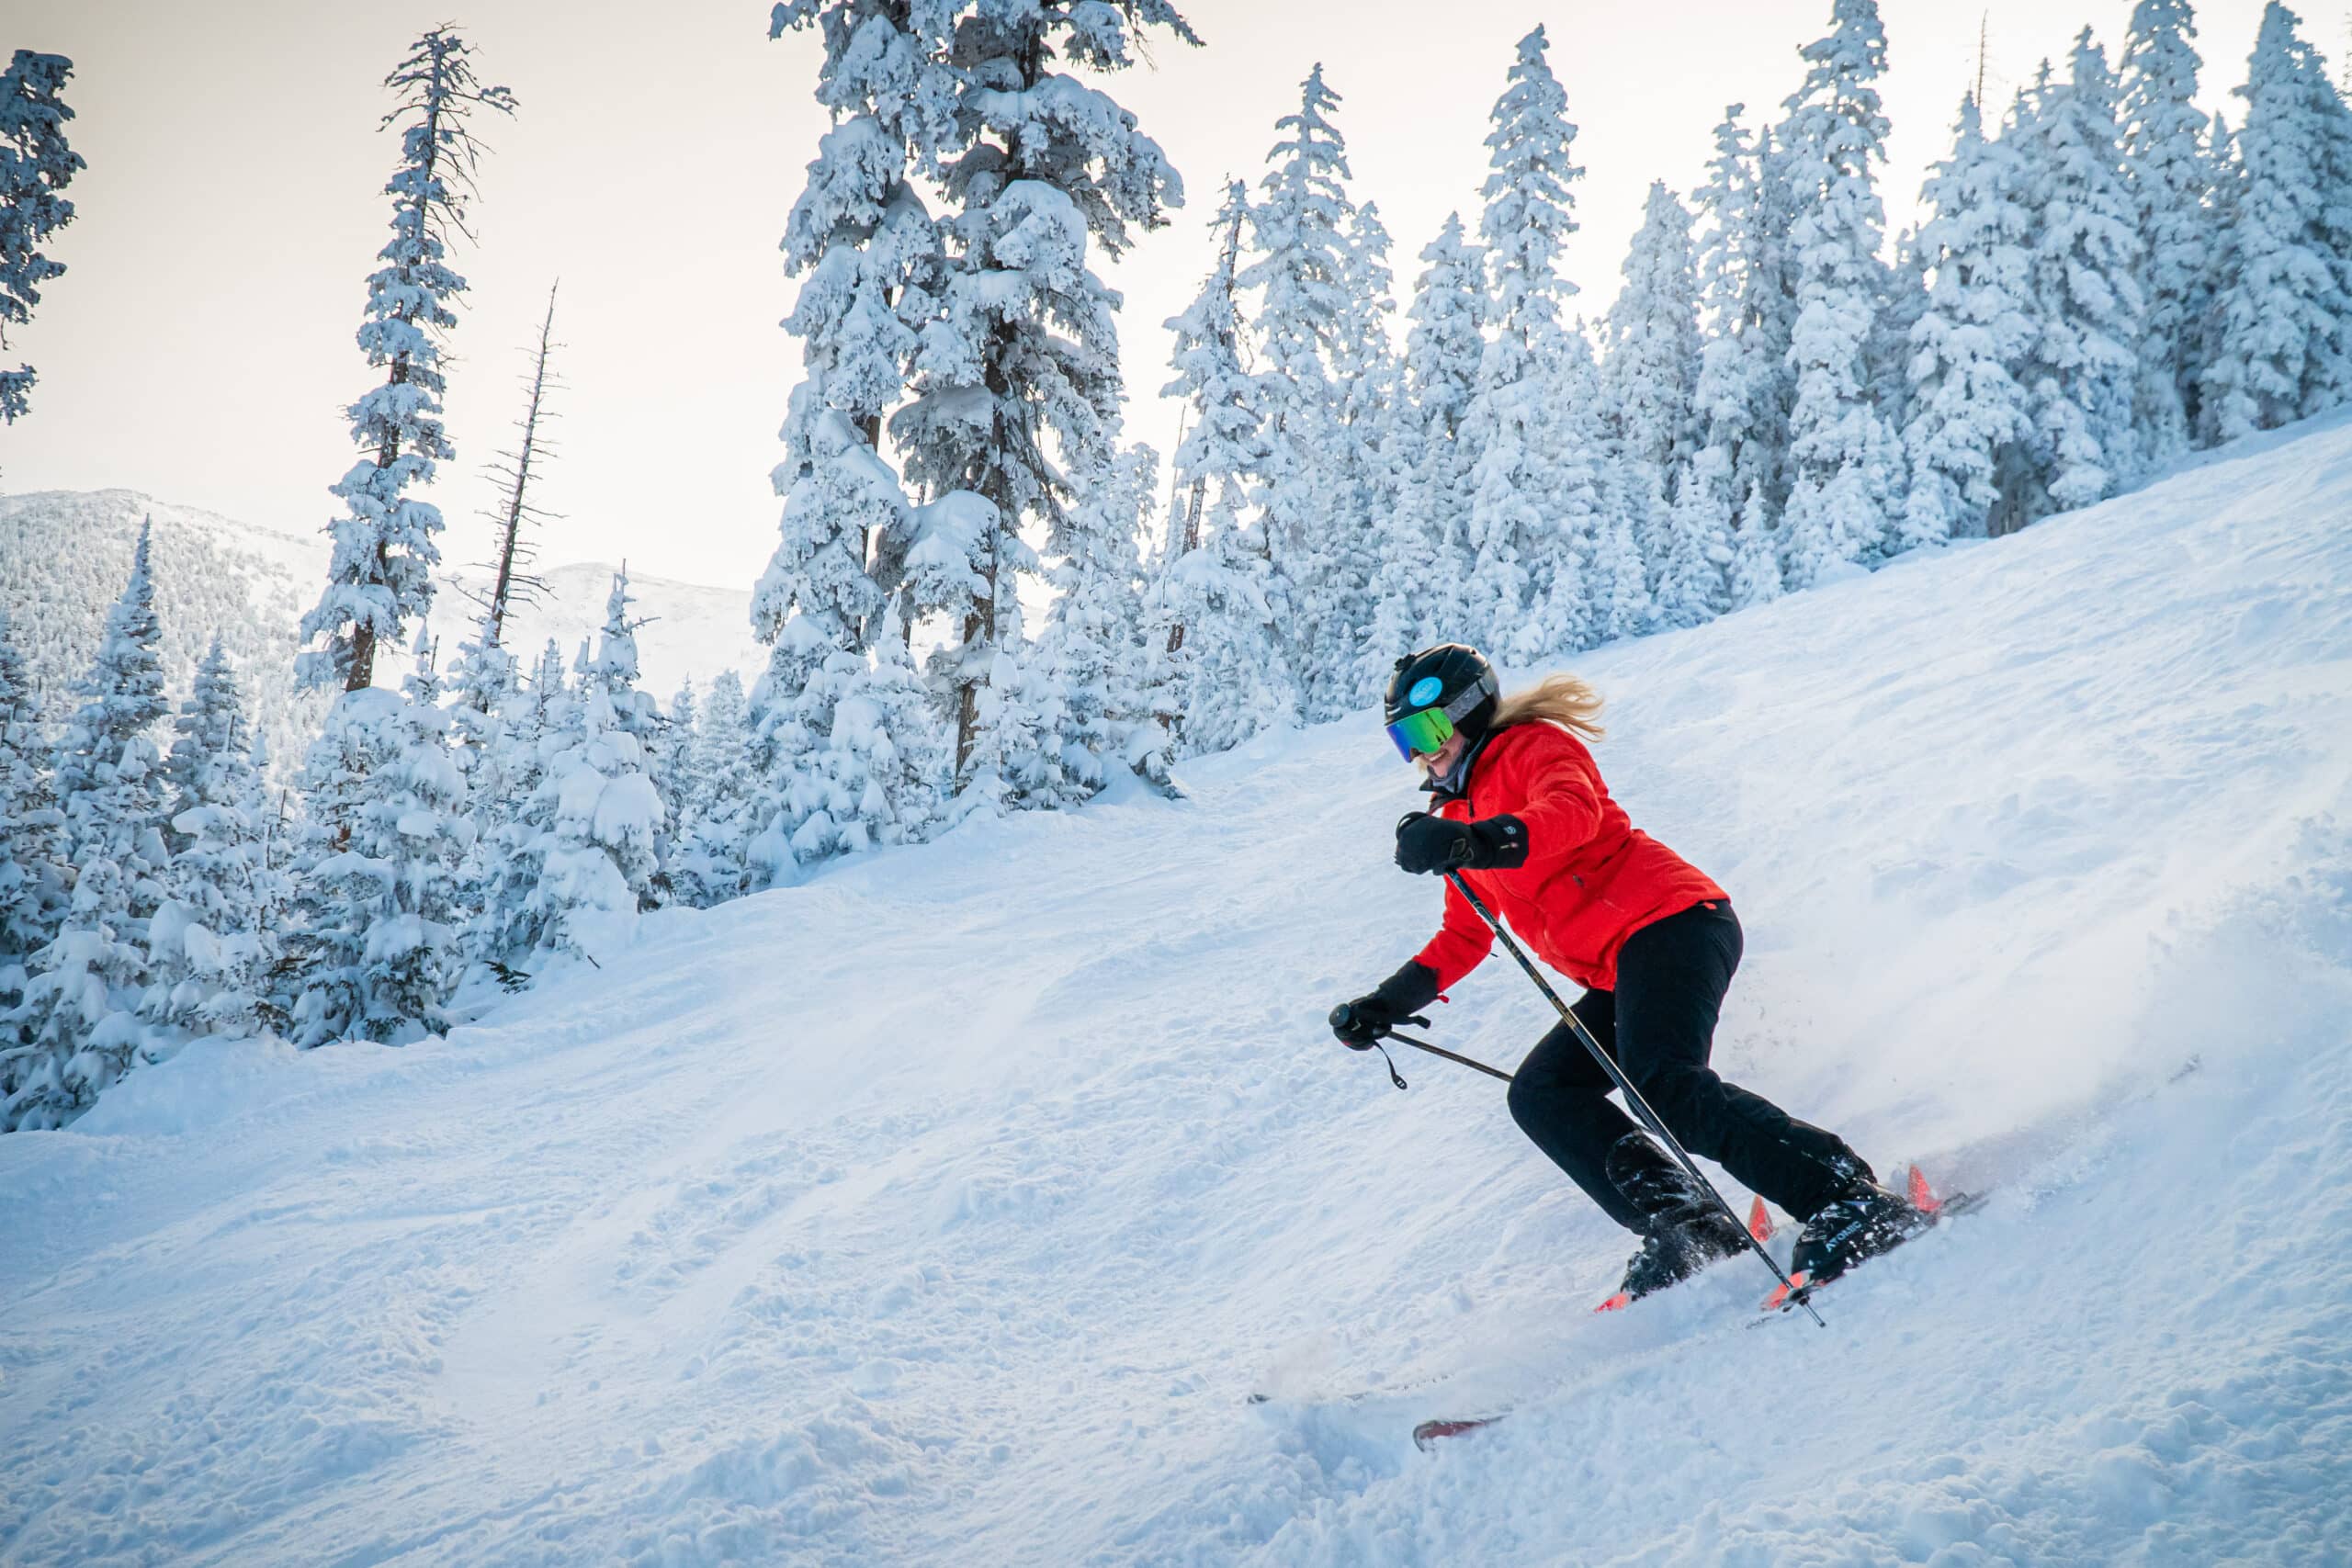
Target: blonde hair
[1558, 699]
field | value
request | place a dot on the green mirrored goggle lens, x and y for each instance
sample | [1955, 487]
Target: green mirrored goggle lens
[1423, 731]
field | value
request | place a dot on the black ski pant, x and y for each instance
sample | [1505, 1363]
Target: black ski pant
[1660, 1025]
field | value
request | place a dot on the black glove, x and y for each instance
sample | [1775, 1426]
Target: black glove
[1427, 843]
[1368, 1018]
[1360, 1022]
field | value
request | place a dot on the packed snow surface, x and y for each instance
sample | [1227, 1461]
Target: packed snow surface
[949, 1207]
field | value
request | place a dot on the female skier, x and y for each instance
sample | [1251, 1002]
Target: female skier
[1518, 808]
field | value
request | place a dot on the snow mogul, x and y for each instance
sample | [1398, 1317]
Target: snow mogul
[1518, 809]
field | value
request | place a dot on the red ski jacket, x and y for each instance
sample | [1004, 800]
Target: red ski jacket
[1591, 879]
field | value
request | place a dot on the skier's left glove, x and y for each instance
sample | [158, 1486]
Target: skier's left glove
[1427, 843]
[1368, 1018]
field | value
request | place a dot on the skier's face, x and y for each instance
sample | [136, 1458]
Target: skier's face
[1441, 760]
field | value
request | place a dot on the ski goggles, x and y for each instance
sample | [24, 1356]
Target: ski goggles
[1432, 728]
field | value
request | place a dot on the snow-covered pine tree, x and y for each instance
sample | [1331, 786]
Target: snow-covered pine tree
[1206, 601]
[851, 787]
[1091, 647]
[1016, 758]
[1523, 543]
[1218, 667]
[670, 763]
[1902, 304]
[381, 576]
[1967, 406]
[886, 760]
[1236, 684]
[77, 1030]
[1693, 581]
[868, 256]
[36, 164]
[1367, 379]
[1300, 227]
[579, 857]
[1734, 403]
[210, 738]
[1404, 574]
[1023, 353]
[608, 809]
[1649, 378]
[1442, 350]
[2209, 330]
[377, 926]
[2164, 165]
[811, 608]
[1755, 576]
[1221, 438]
[1589, 583]
[1530, 209]
[494, 737]
[32, 884]
[2282, 300]
[107, 777]
[488, 699]
[515, 817]
[213, 938]
[1150, 746]
[1844, 463]
[1777, 301]
[2084, 362]
[711, 833]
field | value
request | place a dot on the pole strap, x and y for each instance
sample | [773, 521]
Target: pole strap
[1441, 1051]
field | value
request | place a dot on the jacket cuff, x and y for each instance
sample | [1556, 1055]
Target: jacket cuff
[1502, 843]
[1409, 989]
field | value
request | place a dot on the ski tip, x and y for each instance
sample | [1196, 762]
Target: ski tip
[1617, 1302]
[1760, 1222]
[1786, 1296]
[1427, 1434]
[1923, 1197]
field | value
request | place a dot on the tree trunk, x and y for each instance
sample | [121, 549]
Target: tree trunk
[1191, 543]
[511, 525]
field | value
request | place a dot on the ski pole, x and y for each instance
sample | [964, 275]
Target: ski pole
[1338, 1014]
[1441, 1051]
[1633, 1101]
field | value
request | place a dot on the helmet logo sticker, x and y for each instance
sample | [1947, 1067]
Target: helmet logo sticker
[1426, 690]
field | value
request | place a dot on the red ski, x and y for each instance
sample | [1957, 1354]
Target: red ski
[1426, 1435]
[1786, 1298]
[1759, 1225]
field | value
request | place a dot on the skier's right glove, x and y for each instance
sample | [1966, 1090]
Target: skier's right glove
[1426, 843]
[1366, 1020]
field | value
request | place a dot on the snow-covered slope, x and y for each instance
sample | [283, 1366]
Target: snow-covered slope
[63, 555]
[946, 1208]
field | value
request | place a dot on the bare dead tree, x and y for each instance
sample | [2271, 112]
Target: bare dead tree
[511, 582]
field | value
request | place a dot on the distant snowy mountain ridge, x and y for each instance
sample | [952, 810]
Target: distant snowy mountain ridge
[63, 554]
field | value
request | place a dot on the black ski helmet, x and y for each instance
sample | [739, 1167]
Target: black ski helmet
[1454, 679]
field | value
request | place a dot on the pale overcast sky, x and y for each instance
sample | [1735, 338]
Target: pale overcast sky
[201, 346]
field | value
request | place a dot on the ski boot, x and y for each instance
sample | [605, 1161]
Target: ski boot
[1862, 1223]
[1683, 1229]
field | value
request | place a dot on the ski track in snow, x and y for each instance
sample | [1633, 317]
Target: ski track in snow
[946, 1208]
